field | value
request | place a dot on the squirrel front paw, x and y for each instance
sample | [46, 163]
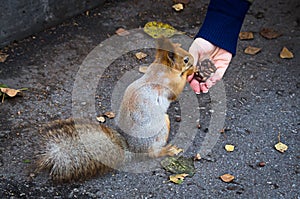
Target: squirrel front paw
[170, 150]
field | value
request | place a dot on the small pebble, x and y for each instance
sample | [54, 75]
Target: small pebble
[199, 126]
[177, 118]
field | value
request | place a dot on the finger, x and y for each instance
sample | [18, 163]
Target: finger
[209, 83]
[203, 87]
[190, 77]
[195, 86]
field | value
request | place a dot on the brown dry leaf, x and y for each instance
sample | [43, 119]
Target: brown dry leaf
[143, 69]
[3, 57]
[281, 147]
[269, 33]
[122, 32]
[178, 7]
[178, 178]
[286, 54]
[100, 119]
[140, 55]
[229, 147]
[110, 114]
[246, 35]
[227, 177]
[252, 50]
[10, 92]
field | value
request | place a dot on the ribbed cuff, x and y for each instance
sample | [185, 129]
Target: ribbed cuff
[223, 22]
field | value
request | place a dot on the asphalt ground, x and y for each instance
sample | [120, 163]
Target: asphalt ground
[262, 99]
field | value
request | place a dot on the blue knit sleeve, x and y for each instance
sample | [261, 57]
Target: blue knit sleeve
[223, 22]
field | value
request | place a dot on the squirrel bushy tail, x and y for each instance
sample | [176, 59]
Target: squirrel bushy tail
[78, 149]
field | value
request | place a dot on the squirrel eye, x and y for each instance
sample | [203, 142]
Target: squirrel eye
[186, 59]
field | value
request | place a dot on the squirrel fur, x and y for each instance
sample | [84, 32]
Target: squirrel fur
[76, 149]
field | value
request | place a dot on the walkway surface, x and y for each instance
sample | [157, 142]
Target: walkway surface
[261, 95]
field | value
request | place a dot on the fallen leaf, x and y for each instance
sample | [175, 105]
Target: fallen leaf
[157, 29]
[143, 69]
[27, 161]
[178, 178]
[3, 86]
[269, 33]
[252, 50]
[197, 157]
[229, 147]
[3, 57]
[246, 35]
[10, 92]
[281, 147]
[140, 55]
[286, 54]
[122, 32]
[110, 114]
[179, 165]
[227, 177]
[178, 7]
[100, 119]
[262, 164]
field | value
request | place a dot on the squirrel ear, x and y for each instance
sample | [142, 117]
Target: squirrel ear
[165, 51]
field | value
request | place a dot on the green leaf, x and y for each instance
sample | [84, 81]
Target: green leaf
[3, 86]
[179, 165]
[26, 161]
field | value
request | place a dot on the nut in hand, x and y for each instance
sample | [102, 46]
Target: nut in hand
[205, 70]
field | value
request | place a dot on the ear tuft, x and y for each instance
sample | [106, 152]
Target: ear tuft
[165, 44]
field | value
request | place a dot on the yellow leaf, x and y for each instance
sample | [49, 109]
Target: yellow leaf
[100, 119]
[281, 147]
[197, 157]
[140, 55]
[143, 69]
[178, 7]
[157, 29]
[178, 178]
[227, 177]
[110, 114]
[9, 91]
[246, 35]
[286, 54]
[252, 50]
[229, 147]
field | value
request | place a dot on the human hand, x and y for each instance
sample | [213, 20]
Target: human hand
[202, 49]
